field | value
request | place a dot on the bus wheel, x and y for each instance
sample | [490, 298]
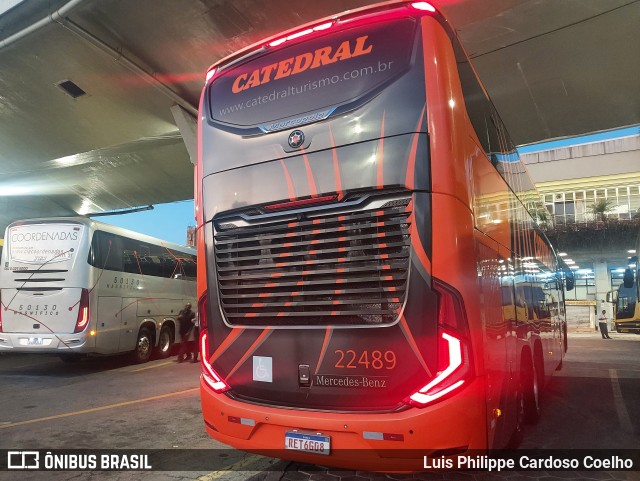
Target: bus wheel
[144, 346]
[530, 391]
[165, 343]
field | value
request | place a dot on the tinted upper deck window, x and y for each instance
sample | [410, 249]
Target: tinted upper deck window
[319, 74]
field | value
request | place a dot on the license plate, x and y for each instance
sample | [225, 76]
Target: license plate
[35, 341]
[309, 443]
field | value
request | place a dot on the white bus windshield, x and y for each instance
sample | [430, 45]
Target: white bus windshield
[34, 245]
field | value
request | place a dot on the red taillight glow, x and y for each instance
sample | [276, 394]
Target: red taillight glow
[300, 203]
[439, 386]
[454, 358]
[322, 26]
[83, 312]
[424, 6]
[211, 377]
[300, 33]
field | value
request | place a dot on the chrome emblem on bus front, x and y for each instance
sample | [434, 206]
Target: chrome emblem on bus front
[296, 139]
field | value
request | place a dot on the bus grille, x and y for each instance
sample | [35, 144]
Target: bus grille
[330, 269]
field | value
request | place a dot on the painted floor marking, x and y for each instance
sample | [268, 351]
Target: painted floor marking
[621, 408]
[237, 471]
[166, 363]
[101, 408]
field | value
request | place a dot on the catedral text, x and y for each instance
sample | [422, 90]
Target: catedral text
[298, 64]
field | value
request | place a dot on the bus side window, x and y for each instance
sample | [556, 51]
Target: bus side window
[169, 267]
[190, 268]
[130, 263]
[106, 252]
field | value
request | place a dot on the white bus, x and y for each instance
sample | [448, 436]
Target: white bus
[75, 287]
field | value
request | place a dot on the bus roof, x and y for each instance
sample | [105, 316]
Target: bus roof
[302, 30]
[102, 226]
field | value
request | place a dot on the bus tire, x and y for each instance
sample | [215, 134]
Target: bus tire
[165, 342]
[144, 346]
[530, 390]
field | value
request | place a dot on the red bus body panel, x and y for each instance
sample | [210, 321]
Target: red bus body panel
[464, 225]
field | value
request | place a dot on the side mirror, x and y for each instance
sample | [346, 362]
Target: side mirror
[611, 297]
[566, 274]
[570, 281]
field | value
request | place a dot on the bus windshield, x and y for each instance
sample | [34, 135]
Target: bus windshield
[32, 246]
[627, 299]
[309, 77]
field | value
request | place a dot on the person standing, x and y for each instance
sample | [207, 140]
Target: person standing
[602, 322]
[186, 318]
[195, 347]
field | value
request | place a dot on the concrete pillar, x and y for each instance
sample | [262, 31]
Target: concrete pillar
[603, 285]
[188, 126]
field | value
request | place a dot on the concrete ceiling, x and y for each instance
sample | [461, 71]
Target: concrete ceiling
[554, 68]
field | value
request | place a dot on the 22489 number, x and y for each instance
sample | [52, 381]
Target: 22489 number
[369, 360]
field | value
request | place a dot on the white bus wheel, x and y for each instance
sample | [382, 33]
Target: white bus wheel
[144, 346]
[165, 342]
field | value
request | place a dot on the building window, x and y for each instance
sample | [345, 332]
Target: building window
[576, 206]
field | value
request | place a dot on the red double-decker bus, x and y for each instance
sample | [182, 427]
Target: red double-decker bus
[372, 283]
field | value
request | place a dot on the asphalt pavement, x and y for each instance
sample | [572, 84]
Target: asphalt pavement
[592, 404]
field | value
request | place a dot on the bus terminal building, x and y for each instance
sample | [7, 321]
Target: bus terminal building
[598, 243]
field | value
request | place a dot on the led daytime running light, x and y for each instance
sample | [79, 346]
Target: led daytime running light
[301, 33]
[210, 74]
[83, 312]
[84, 319]
[300, 203]
[209, 375]
[455, 361]
[424, 6]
